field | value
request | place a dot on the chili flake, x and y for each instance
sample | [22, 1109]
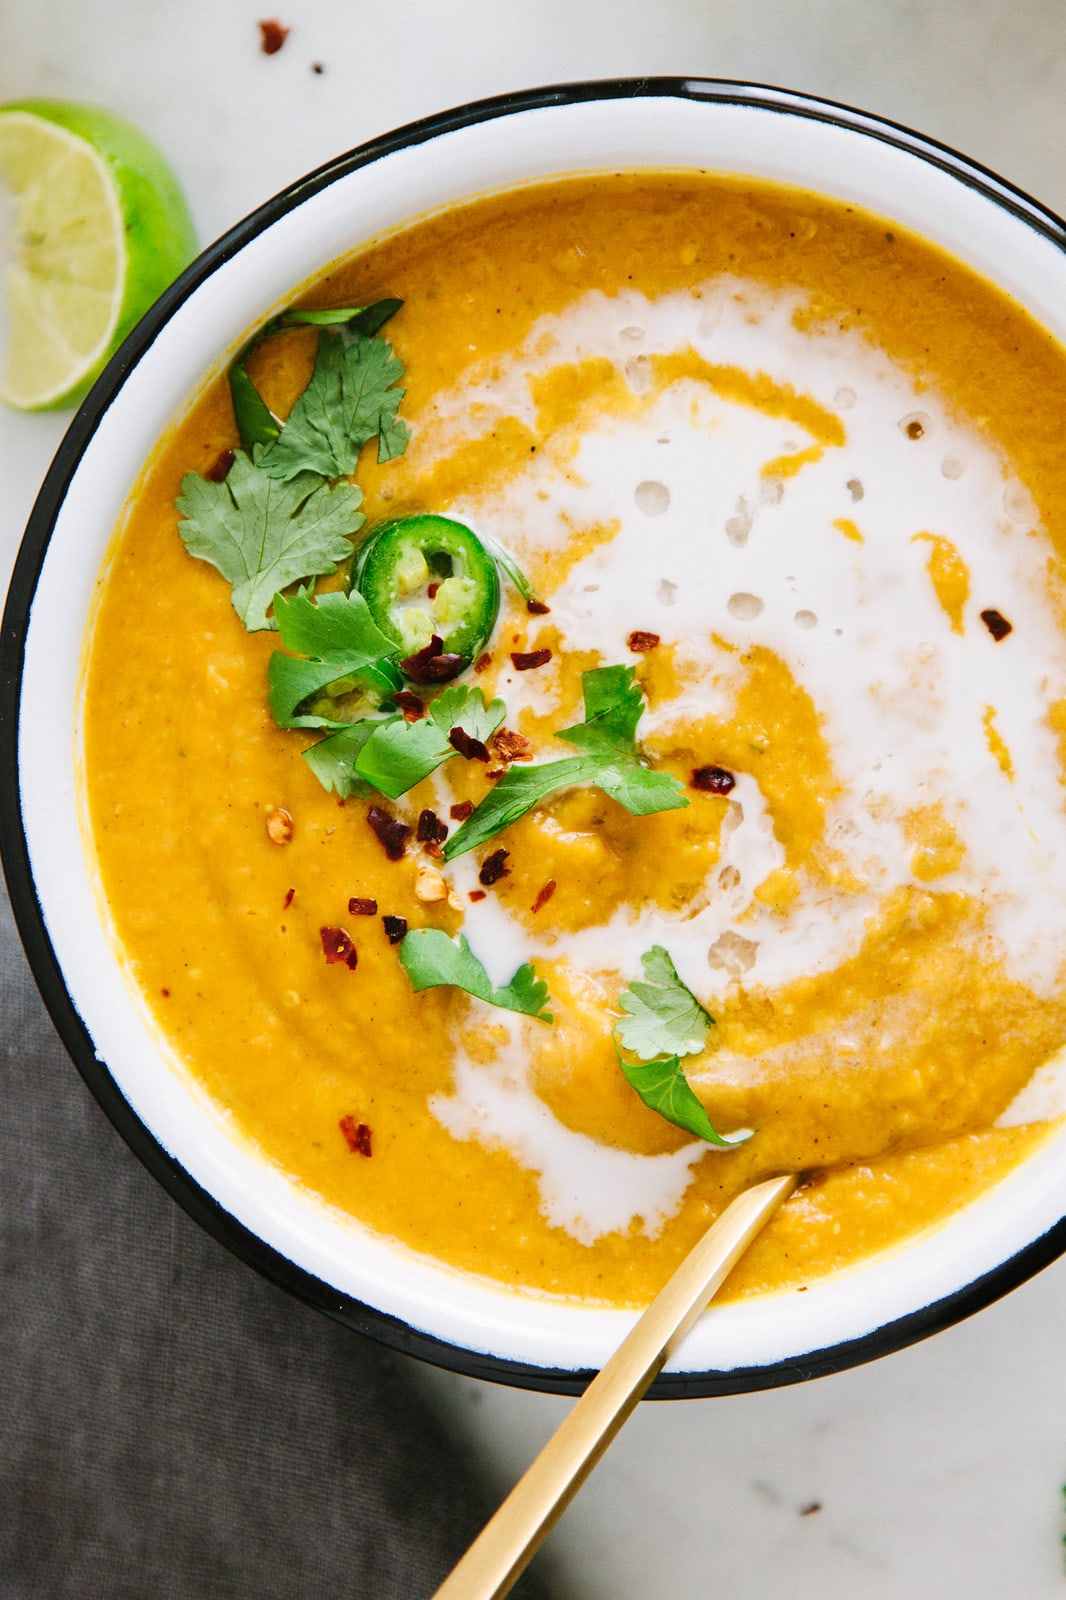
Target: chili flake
[395, 928]
[470, 748]
[337, 946]
[273, 36]
[360, 907]
[478, 894]
[640, 641]
[461, 810]
[411, 706]
[713, 780]
[484, 660]
[997, 624]
[526, 660]
[430, 828]
[545, 895]
[537, 608]
[390, 830]
[287, 902]
[432, 664]
[219, 471]
[493, 869]
[356, 1136]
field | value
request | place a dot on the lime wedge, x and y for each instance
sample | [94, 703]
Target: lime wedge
[101, 229]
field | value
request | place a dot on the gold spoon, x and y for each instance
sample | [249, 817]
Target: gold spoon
[506, 1545]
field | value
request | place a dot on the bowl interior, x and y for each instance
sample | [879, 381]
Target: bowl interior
[253, 1206]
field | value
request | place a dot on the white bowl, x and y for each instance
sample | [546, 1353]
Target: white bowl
[370, 1284]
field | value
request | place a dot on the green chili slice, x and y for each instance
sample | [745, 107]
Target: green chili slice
[429, 576]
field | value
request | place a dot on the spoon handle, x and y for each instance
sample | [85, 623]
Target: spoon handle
[508, 1542]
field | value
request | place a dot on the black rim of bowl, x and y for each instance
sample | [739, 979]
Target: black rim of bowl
[196, 1201]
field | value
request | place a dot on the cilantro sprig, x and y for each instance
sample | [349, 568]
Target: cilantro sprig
[662, 1022]
[430, 958]
[280, 516]
[609, 759]
[256, 423]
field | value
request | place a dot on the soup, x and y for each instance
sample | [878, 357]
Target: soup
[791, 478]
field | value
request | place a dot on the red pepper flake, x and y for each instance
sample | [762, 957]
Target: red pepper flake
[511, 746]
[493, 869]
[997, 624]
[430, 828]
[360, 907]
[287, 902]
[484, 660]
[356, 1136]
[219, 472]
[526, 660]
[537, 608]
[478, 894]
[713, 780]
[337, 946]
[390, 830]
[462, 810]
[395, 928]
[432, 588]
[165, 993]
[432, 848]
[545, 895]
[273, 36]
[496, 772]
[279, 825]
[640, 641]
[411, 706]
[470, 748]
[432, 664]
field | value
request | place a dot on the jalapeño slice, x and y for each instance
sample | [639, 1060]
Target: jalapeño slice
[429, 576]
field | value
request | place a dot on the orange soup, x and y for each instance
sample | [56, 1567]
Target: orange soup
[771, 491]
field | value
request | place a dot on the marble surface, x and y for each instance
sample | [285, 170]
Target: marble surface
[937, 1471]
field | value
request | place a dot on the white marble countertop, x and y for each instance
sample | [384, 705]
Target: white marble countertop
[936, 1472]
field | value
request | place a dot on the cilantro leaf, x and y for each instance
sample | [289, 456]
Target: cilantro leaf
[393, 438]
[400, 754]
[430, 958]
[517, 792]
[351, 396]
[338, 638]
[663, 1016]
[614, 705]
[662, 1085]
[332, 760]
[263, 535]
[462, 707]
[365, 320]
[256, 423]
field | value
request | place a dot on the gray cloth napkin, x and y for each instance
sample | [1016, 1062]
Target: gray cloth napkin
[172, 1427]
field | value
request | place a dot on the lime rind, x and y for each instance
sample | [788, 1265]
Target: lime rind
[102, 228]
